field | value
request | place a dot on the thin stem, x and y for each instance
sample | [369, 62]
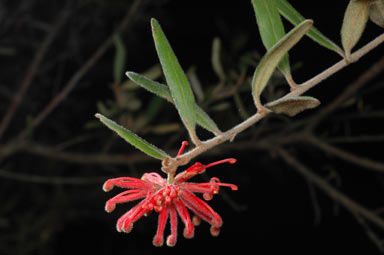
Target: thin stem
[347, 156]
[301, 89]
[336, 195]
[54, 180]
[32, 71]
[365, 78]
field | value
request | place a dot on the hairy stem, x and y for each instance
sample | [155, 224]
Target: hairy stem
[301, 89]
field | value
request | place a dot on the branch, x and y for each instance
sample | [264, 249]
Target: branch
[357, 139]
[370, 233]
[38, 179]
[85, 68]
[32, 71]
[366, 77]
[83, 158]
[347, 156]
[301, 89]
[323, 185]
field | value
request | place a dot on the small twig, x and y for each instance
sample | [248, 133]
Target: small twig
[371, 235]
[57, 180]
[56, 153]
[304, 87]
[301, 89]
[357, 139]
[32, 71]
[347, 156]
[84, 158]
[315, 204]
[359, 115]
[323, 185]
[220, 94]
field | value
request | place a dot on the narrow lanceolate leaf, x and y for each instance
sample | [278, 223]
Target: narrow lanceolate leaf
[162, 91]
[152, 86]
[216, 59]
[355, 19]
[292, 106]
[272, 58]
[376, 13]
[119, 62]
[293, 16]
[176, 79]
[271, 28]
[133, 139]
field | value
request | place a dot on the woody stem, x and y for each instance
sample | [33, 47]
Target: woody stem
[301, 89]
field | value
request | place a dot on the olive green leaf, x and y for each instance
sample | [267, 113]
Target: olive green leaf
[177, 81]
[133, 139]
[376, 13]
[119, 61]
[202, 118]
[216, 59]
[293, 16]
[272, 58]
[271, 28]
[291, 106]
[355, 19]
[152, 86]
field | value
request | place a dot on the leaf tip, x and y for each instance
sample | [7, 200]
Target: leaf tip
[98, 115]
[154, 23]
[308, 23]
[129, 74]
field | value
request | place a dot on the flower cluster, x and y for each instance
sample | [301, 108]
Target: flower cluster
[168, 199]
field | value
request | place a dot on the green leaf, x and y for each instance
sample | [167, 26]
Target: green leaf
[293, 16]
[202, 118]
[177, 80]
[272, 58]
[205, 121]
[355, 19]
[133, 139]
[119, 61]
[292, 106]
[152, 86]
[271, 28]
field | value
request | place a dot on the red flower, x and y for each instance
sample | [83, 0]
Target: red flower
[168, 199]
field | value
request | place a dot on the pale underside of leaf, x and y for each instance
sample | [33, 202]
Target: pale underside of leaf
[133, 139]
[355, 19]
[202, 118]
[273, 56]
[292, 106]
[176, 80]
[376, 13]
[293, 16]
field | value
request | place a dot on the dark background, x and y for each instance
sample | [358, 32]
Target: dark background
[51, 204]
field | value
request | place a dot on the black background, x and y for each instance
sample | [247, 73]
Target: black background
[273, 212]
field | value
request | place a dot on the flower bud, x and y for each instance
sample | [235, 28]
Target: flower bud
[109, 207]
[215, 231]
[171, 240]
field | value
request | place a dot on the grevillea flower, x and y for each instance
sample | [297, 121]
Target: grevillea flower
[168, 199]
